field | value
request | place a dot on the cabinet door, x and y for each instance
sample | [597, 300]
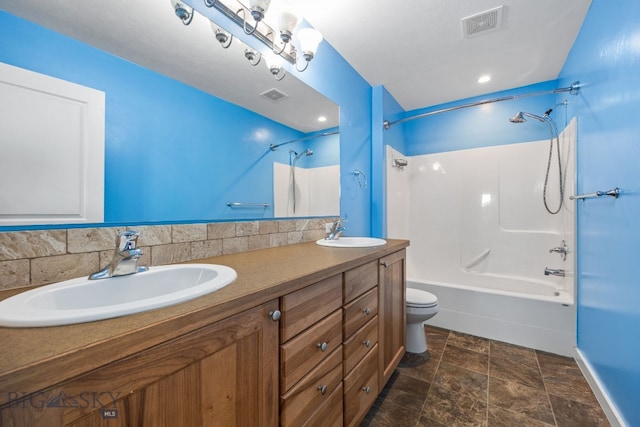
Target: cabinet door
[225, 374]
[391, 313]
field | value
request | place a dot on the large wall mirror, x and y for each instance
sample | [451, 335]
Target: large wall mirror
[190, 126]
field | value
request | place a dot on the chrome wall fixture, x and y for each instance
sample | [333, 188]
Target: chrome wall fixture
[614, 192]
[251, 20]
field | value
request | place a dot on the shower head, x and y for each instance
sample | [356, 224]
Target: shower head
[306, 152]
[520, 117]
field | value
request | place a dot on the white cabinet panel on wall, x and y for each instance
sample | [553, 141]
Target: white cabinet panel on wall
[51, 150]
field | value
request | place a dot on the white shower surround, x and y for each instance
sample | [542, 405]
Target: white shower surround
[317, 191]
[480, 239]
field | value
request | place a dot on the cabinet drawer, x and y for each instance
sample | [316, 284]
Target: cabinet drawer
[305, 307]
[359, 344]
[360, 311]
[360, 279]
[299, 403]
[299, 355]
[330, 413]
[361, 388]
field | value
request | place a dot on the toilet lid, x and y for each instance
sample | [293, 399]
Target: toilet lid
[418, 298]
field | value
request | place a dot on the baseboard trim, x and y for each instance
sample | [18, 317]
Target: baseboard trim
[608, 406]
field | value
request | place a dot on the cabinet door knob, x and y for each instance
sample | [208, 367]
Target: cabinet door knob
[367, 343]
[275, 315]
[367, 311]
[366, 389]
[323, 346]
[322, 389]
[384, 264]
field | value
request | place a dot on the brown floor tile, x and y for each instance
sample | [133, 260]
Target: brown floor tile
[519, 398]
[521, 371]
[576, 414]
[468, 359]
[470, 342]
[562, 377]
[450, 408]
[514, 352]
[499, 417]
[461, 381]
[391, 413]
[436, 340]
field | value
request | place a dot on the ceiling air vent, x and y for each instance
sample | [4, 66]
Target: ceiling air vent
[274, 95]
[483, 22]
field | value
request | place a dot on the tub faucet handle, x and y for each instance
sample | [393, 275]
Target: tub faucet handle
[562, 250]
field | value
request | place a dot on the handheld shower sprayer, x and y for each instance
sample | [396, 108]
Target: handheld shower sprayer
[553, 133]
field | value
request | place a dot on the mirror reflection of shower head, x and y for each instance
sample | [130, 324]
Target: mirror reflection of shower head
[306, 152]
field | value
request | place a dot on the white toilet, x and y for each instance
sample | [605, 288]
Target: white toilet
[421, 305]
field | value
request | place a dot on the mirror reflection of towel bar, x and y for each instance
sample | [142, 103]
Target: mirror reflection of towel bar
[614, 192]
[248, 205]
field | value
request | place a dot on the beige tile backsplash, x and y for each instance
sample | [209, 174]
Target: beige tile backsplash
[40, 257]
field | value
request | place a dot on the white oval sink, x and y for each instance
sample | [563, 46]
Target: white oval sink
[352, 242]
[83, 300]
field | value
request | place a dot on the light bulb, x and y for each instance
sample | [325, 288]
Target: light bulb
[287, 23]
[309, 40]
[259, 8]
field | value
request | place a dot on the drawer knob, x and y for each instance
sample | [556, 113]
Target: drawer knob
[367, 343]
[275, 315]
[322, 389]
[366, 389]
[384, 264]
[323, 346]
[367, 311]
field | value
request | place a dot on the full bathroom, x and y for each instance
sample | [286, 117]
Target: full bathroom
[518, 213]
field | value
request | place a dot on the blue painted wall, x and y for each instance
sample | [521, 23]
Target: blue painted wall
[172, 153]
[606, 59]
[482, 126]
[385, 107]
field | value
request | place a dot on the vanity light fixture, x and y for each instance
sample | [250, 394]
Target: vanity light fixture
[288, 20]
[183, 11]
[252, 56]
[222, 36]
[274, 66]
[484, 79]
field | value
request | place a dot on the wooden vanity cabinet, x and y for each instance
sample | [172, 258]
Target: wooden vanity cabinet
[311, 355]
[224, 374]
[392, 313]
[360, 348]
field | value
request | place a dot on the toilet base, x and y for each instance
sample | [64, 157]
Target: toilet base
[416, 338]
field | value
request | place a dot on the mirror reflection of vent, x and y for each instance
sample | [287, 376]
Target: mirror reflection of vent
[483, 22]
[274, 95]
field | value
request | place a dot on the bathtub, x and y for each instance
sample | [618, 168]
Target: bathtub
[529, 313]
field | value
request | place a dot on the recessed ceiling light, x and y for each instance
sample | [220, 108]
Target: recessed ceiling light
[484, 79]
[322, 119]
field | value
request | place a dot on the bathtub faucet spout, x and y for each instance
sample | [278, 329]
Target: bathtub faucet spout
[553, 272]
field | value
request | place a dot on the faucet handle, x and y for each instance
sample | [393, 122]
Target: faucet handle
[127, 240]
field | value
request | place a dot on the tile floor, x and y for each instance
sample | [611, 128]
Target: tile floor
[463, 380]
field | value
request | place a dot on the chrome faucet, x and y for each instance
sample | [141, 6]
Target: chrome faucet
[336, 230]
[125, 258]
[553, 272]
[562, 250]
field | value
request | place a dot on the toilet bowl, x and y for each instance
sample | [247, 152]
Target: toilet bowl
[421, 306]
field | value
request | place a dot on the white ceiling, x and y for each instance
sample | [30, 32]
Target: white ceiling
[415, 48]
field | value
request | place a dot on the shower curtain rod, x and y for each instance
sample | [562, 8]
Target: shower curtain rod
[573, 90]
[273, 147]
